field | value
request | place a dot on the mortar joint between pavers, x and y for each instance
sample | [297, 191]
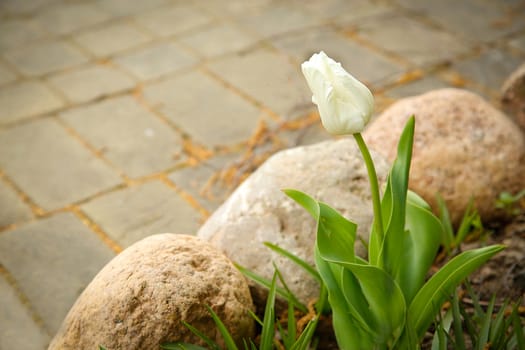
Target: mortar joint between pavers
[97, 229]
[37, 210]
[192, 201]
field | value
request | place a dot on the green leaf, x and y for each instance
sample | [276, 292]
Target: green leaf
[420, 244]
[226, 336]
[305, 201]
[458, 329]
[181, 346]
[300, 262]
[484, 332]
[431, 296]
[268, 330]
[448, 230]
[211, 343]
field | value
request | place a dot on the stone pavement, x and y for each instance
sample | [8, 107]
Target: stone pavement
[123, 118]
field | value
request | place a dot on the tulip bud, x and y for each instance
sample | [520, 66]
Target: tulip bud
[345, 104]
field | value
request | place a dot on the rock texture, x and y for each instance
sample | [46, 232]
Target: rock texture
[138, 300]
[258, 211]
[513, 95]
[463, 147]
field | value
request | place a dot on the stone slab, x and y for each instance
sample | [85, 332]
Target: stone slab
[137, 212]
[155, 61]
[218, 40]
[45, 57]
[366, 65]
[92, 82]
[269, 78]
[64, 18]
[126, 7]
[171, 20]
[343, 11]
[16, 7]
[53, 169]
[127, 134]
[17, 328]
[225, 118]
[111, 39]
[17, 32]
[6, 75]
[490, 68]
[53, 260]
[417, 87]
[26, 99]
[410, 39]
[14, 209]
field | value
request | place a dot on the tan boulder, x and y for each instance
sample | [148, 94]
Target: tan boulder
[513, 95]
[138, 300]
[463, 148]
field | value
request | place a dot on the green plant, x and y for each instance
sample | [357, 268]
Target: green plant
[508, 202]
[479, 328]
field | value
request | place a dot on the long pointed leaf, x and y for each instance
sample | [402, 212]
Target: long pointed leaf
[226, 336]
[431, 296]
[300, 262]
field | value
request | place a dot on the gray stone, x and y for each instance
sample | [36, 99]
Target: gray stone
[364, 64]
[127, 134]
[171, 20]
[13, 208]
[518, 42]
[463, 148]
[140, 298]
[513, 95]
[134, 213]
[17, 32]
[417, 87]
[111, 39]
[45, 57]
[91, 82]
[65, 18]
[17, 328]
[225, 117]
[412, 40]
[26, 99]
[53, 169]
[268, 78]
[277, 19]
[23, 7]
[258, 211]
[126, 7]
[490, 68]
[343, 12]
[53, 260]
[219, 40]
[154, 61]
[6, 76]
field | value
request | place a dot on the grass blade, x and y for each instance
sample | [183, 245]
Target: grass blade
[300, 262]
[226, 336]
[268, 330]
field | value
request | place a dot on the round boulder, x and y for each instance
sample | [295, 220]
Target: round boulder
[463, 148]
[513, 95]
[258, 211]
[138, 300]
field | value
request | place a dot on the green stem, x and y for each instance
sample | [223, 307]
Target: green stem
[374, 185]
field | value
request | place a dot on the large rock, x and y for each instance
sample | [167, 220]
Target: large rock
[513, 95]
[463, 147]
[138, 300]
[258, 211]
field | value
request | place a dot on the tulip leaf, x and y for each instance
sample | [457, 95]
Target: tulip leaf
[420, 244]
[305, 201]
[437, 289]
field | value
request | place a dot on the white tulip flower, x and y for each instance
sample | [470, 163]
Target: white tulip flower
[345, 104]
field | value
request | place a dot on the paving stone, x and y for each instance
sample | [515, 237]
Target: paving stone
[234, 8]
[126, 7]
[366, 65]
[417, 87]
[50, 166]
[45, 57]
[171, 20]
[65, 18]
[134, 213]
[53, 260]
[89, 83]
[277, 19]
[408, 38]
[154, 61]
[26, 99]
[17, 32]
[128, 135]
[17, 7]
[343, 10]
[13, 208]
[489, 69]
[17, 329]
[111, 39]
[518, 42]
[478, 21]
[218, 40]
[6, 76]
[269, 78]
[225, 118]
